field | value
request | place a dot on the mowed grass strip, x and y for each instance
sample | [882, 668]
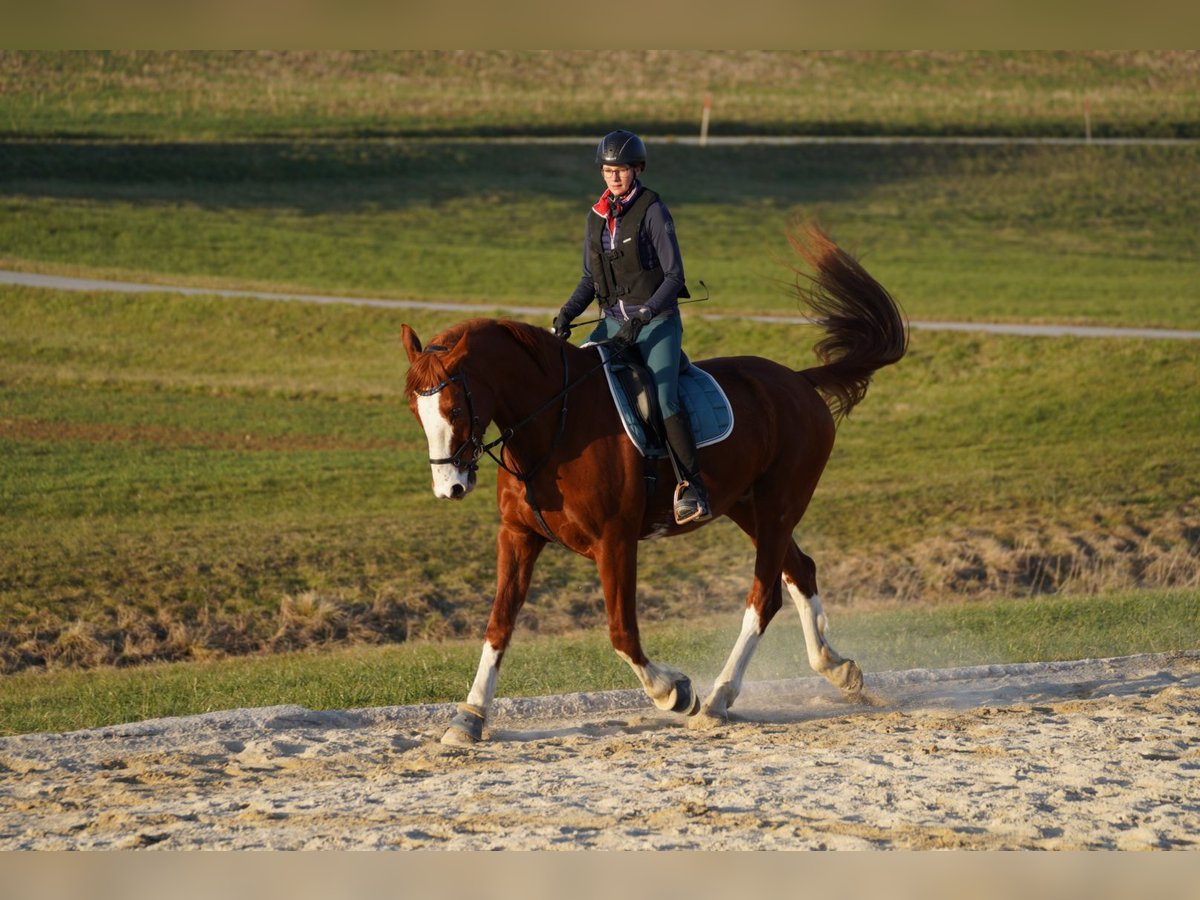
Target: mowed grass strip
[189, 476]
[1099, 235]
[205, 95]
[1042, 629]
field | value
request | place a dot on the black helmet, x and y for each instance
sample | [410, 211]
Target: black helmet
[620, 148]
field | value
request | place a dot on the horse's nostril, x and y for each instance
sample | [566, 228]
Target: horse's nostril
[457, 491]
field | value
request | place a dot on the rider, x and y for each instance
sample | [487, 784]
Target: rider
[638, 293]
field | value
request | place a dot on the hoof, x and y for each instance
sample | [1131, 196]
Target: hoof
[457, 737]
[706, 721]
[849, 677]
[686, 700]
[466, 728]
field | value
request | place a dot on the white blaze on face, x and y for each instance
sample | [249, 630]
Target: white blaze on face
[449, 482]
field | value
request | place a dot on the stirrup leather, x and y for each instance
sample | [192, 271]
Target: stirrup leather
[700, 511]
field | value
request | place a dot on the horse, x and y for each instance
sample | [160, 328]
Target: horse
[569, 474]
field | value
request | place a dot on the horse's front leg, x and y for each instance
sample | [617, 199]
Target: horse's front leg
[516, 551]
[670, 689]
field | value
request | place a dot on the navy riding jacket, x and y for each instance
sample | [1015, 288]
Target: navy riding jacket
[657, 246]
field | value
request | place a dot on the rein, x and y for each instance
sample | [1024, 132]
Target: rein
[479, 448]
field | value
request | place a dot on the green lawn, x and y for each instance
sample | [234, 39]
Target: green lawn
[190, 95]
[1101, 235]
[169, 496]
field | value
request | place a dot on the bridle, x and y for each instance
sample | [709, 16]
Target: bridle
[474, 443]
[473, 448]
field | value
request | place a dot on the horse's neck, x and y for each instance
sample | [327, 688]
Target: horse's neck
[527, 386]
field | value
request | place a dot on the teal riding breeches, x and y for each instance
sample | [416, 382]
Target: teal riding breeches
[660, 343]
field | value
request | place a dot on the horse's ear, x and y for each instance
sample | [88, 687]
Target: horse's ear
[412, 343]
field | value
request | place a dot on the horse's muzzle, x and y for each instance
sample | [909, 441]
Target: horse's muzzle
[453, 484]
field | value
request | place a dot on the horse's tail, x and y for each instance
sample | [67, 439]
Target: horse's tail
[865, 329]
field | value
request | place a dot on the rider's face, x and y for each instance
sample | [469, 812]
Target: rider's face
[619, 179]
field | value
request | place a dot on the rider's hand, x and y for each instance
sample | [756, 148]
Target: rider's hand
[633, 325]
[562, 326]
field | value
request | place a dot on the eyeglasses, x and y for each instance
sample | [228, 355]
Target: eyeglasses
[609, 171]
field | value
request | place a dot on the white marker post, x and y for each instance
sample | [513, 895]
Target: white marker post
[704, 119]
[1087, 118]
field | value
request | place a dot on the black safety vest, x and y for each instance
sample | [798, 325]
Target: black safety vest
[618, 274]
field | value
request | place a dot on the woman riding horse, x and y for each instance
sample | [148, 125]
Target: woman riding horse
[762, 476]
[632, 266]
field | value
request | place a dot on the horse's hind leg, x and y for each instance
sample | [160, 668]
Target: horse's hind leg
[764, 600]
[800, 578]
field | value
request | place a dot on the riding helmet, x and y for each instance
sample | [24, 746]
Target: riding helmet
[621, 148]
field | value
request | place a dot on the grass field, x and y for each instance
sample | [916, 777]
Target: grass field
[249, 478]
[1071, 234]
[192, 478]
[166, 96]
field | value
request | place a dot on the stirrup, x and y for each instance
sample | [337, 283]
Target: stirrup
[694, 507]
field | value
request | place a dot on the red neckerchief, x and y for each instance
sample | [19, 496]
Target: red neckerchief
[612, 208]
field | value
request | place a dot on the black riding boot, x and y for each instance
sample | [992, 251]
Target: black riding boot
[691, 499]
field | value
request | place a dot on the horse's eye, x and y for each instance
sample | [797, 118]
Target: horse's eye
[455, 413]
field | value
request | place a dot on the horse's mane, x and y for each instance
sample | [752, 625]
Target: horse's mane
[429, 368]
[537, 342]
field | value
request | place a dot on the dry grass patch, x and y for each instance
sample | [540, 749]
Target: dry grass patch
[1037, 559]
[967, 564]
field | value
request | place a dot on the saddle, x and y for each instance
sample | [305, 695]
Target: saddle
[633, 393]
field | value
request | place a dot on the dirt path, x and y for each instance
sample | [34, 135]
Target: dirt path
[65, 283]
[1087, 754]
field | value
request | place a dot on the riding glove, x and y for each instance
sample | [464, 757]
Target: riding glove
[633, 325]
[562, 326]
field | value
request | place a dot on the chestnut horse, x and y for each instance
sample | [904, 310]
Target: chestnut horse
[569, 474]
